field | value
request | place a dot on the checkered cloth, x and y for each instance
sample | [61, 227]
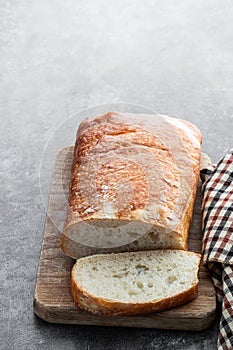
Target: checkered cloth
[217, 244]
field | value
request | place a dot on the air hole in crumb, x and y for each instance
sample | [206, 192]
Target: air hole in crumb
[141, 267]
[171, 279]
[132, 292]
[153, 235]
[139, 284]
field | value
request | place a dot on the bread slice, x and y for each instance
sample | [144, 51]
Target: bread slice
[136, 282]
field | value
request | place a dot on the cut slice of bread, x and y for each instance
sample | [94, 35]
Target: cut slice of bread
[135, 283]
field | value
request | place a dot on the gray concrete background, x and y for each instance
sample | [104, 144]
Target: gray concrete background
[58, 57]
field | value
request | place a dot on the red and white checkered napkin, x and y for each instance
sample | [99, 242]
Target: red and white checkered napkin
[217, 242]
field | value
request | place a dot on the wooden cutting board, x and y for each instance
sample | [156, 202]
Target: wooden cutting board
[53, 302]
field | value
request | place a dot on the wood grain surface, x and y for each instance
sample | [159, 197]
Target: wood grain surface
[53, 302]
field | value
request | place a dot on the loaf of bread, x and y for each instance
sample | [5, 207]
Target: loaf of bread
[135, 283]
[133, 184]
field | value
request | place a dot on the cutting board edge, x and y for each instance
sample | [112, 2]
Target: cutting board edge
[189, 324]
[53, 314]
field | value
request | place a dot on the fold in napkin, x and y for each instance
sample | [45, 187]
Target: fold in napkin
[217, 245]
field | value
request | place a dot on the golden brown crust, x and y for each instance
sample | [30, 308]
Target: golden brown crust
[154, 159]
[105, 307]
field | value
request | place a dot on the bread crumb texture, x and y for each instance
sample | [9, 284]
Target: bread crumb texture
[137, 277]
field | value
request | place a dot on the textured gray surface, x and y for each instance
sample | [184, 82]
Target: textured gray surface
[57, 57]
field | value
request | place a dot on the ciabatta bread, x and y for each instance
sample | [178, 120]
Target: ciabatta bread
[134, 180]
[135, 283]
